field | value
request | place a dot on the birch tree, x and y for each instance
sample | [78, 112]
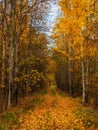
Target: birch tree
[77, 21]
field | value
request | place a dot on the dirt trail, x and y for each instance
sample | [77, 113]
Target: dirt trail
[52, 110]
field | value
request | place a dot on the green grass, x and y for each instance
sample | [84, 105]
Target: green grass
[44, 92]
[9, 119]
[88, 116]
[2, 127]
[52, 92]
[62, 94]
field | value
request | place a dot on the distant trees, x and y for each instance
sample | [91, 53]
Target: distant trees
[76, 48]
[33, 61]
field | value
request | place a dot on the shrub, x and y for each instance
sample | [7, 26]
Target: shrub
[36, 80]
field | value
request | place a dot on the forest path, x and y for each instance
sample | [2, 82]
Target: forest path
[53, 110]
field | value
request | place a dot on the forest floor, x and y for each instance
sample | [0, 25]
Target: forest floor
[50, 110]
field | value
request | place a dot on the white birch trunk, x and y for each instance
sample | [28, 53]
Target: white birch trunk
[83, 75]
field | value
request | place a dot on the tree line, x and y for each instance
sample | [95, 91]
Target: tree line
[24, 51]
[76, 49]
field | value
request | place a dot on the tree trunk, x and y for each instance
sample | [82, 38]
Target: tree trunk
[11, 71]
[69, 68]
[3, 62]
[83, 83]
[3, 74]
[4, 54]
[87, 72]
[83, 75]
[16, 73]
